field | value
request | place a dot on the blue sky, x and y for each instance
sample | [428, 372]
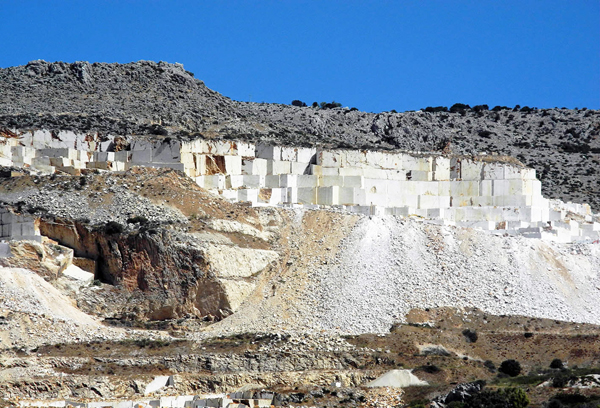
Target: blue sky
[374, 55]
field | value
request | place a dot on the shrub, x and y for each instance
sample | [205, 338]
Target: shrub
[315, 104]
[505, 398]
[557, 363]
[479, 108]
[298, 103]
[113, 227]
[471, 335]
[489, 364]
[435, 109]
[459, 108]
[330, 105]
[138, 219]
[562, 379]
[568, 398]
[511, 368]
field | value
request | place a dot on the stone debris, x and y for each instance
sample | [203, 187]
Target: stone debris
[396, 379]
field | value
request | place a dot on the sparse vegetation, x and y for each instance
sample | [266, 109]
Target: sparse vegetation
[470, 335]
[113, 227]
[511, 368]
[298, 103]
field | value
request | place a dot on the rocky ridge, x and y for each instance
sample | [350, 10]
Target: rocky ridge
[160, 98]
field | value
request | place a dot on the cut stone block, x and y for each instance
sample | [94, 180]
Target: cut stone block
[140, 156]
[441, 168]
[455, 168]
[376, 186]
[166, 152]
[415, 163]
[231, 195]
[306, 155]
[471, 170]
[307, 181]
[250, 194]
[316, 170]
[417, 175]
[331, 158]
[300, 168]
[483, 201]
[278, 195]
[234, 181]
[378, 199]
[464, 188]
[398, 175]
[493, 171]
[351, 171]
[60, 161]
[353, 181]
[276, 167]
[486, 188]
[220, 148]
[64, 152]
[268, 152]
[104, 156]
[216, 181]
[289, 153]
[330, 171]
[75, 272]
[288, 180]
[255, 167]
[356, 158]
[305, 195]
[352, 196]
[328, 195]
[69, 170]
[246, 149]
[233, 165]
[272, 181]
[330, 181]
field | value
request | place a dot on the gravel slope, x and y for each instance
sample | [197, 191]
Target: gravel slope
[388, 266]
[383, 267]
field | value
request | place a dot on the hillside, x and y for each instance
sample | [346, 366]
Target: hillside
[186, 252]
[160, 98]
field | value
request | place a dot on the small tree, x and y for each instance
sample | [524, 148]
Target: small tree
[459, 108]
[470, 335]
[557, 363]
[510, 367]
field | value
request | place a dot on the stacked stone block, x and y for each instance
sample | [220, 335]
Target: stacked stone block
[17, 227]
[479, 193]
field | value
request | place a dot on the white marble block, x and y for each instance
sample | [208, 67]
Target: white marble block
[328, 195]
[278, 167]
[254, 167]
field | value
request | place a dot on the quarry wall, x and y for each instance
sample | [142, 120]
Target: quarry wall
[478, 192]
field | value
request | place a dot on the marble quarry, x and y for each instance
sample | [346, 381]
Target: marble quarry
[481, 192]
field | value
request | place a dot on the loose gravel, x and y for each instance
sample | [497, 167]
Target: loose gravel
[388, 266]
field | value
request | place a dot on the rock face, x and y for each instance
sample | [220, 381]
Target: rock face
[159, 98]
